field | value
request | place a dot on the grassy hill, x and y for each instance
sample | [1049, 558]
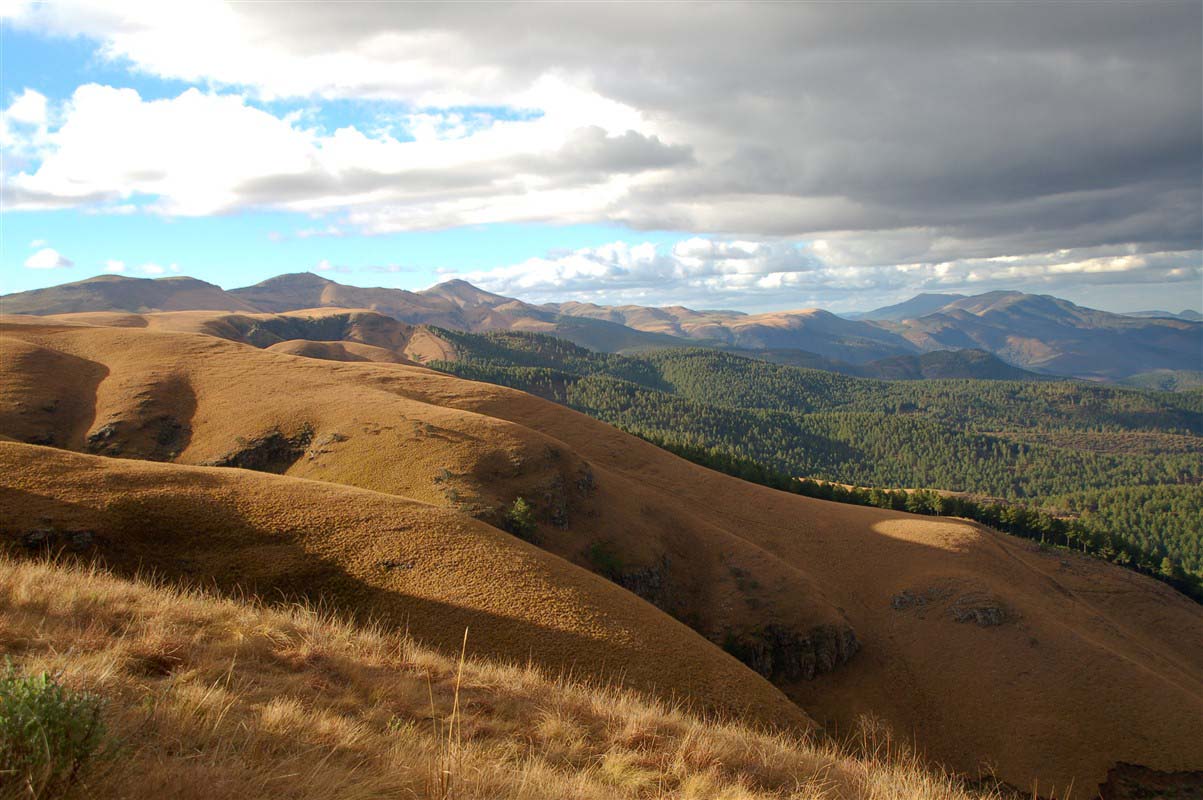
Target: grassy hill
[218, 698]
[119, 293]
[1022, 441]
[395, 485]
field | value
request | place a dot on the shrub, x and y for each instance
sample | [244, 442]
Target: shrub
[606, 559]
[520, 519]
[48, 734]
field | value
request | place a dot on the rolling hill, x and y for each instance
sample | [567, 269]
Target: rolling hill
[218, 698]
[1023, 444]
[392, 485]
[119, 293]
[1032, 332]
[813, 330]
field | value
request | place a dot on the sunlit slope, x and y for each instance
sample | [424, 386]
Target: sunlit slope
[337, 334]
[199, 400]
[214, 698]
[1060, 667]
[338, 351]
[1077, 664]
[381, 557]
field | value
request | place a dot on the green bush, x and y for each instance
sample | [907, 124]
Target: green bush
[48, 734]
[606, 559]
[520, 519]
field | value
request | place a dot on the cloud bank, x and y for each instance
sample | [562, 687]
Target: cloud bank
[926, 142]
[763, 275]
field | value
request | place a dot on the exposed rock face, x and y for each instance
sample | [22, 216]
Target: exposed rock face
[907, 599]
[961, 603]
[982, 610]
[781, 653]
[155, 426]
[51, 539]
[158, 439]
[648, 582]
[1130, 782]
[271, 452]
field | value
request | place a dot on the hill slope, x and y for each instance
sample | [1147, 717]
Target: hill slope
[918, 306]
[372, 556]
[812, 330]
[119, 293]
[1026, 442]
[946, 631]
[944, 364]
[216, 699]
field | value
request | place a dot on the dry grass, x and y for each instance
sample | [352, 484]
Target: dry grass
[212, 697]
[1100, 665]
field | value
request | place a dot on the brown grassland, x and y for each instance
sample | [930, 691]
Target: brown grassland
[155, 433]
[212, 698]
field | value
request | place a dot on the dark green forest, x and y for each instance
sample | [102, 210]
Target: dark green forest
[1120, 467]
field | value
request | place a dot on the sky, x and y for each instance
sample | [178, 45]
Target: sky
[749, 156]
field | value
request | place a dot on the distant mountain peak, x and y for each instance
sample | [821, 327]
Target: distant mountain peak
[918, 306]
[295, 279]
[463, 293]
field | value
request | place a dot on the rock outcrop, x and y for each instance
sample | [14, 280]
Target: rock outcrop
[781, 653]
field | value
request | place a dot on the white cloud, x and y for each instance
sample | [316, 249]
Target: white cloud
[38, 243]
[23, 127]
[48, 258]
[756, 275]
[204, 153]
[873, 135]
[28, 108]
[114, 266]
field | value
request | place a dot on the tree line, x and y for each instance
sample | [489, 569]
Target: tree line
[1112, 471]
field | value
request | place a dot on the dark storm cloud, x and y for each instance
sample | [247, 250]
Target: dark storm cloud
[934, 132]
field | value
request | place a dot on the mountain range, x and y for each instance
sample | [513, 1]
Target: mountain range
[1037, 333]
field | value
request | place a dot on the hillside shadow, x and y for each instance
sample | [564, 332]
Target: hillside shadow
[155, 425]
[194, 542]
[52, 394]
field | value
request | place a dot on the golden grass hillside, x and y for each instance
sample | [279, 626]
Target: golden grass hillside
[406, 564]
[364, 335]
[211, 698]
[1044, 669]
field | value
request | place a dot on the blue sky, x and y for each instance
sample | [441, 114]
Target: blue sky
[733, 159]
[244, 247]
